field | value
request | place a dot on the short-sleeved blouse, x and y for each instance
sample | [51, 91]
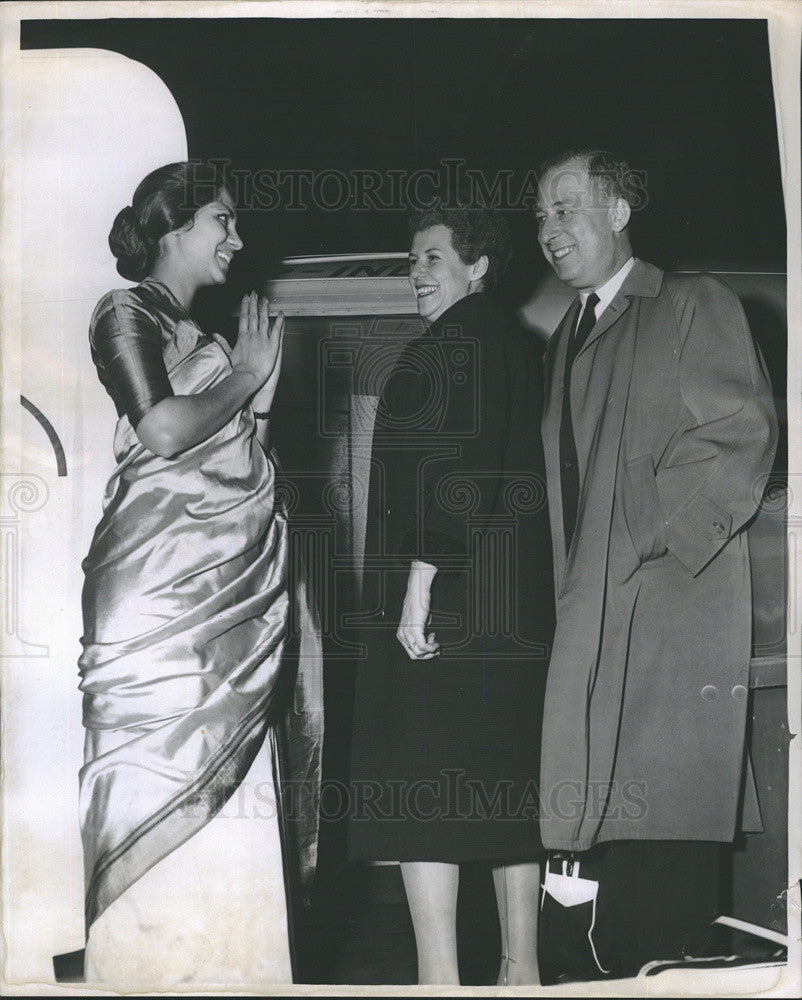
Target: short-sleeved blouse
[127, 341]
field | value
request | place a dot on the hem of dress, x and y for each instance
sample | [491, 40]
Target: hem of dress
[449, 857]
[118, 869]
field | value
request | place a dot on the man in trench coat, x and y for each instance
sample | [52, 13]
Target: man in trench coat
[659, 430]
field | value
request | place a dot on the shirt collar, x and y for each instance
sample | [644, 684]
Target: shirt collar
[608, 291]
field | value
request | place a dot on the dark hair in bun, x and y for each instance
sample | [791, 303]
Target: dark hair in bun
[128, 245]
[167, 199]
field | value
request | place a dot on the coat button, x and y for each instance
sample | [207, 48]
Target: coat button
[709, 692]
[567, 463]
[739, 692]
[718, 527]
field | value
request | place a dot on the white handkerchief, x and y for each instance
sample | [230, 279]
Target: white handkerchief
[571, 890]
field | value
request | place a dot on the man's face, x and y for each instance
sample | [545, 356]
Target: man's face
[579, 228]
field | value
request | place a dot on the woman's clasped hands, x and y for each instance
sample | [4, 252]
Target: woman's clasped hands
[259, 347]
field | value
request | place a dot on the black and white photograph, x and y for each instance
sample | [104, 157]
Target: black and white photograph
[401, 439]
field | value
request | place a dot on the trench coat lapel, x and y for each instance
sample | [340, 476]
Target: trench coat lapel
[557, 346]
[644, 279]
[552, 414]
[611, 314]
[572, 760]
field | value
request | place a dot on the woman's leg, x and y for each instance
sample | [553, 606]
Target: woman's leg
[431, 888]
[517, 895]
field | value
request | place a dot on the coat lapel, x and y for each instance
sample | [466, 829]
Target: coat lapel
[617, 308]
[556, 347]
[644, 279]
[552, 413]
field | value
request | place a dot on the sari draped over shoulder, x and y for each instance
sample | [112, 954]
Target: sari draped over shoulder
[185, 609]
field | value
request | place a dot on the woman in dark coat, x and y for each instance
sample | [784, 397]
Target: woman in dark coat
[458, 603]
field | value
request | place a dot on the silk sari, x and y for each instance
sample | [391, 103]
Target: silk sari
[185, 608]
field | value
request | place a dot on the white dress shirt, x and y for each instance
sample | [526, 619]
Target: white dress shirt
[608, 291]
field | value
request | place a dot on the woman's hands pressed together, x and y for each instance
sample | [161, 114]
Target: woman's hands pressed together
[259, 347]
[415, 614]
[179, 422]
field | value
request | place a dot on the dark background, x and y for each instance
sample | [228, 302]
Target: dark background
[687, 101]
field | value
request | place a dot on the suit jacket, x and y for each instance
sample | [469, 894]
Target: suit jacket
[647, 691]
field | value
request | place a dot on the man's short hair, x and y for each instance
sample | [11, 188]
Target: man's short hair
[616, 177]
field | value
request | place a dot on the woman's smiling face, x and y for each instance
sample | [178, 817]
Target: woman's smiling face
[208, 245]
[438, 276]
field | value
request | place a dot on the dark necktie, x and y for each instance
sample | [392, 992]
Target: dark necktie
[569, 465]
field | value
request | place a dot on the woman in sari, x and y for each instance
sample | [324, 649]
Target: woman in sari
[185, 616]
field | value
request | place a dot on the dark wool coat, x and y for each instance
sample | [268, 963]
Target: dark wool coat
[457, 480]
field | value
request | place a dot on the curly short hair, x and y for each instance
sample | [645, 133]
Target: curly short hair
[615, 176]
[475, 232]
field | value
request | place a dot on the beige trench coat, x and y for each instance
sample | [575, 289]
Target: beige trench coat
[647, 693]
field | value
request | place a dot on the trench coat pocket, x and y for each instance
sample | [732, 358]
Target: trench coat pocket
[642, 510]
